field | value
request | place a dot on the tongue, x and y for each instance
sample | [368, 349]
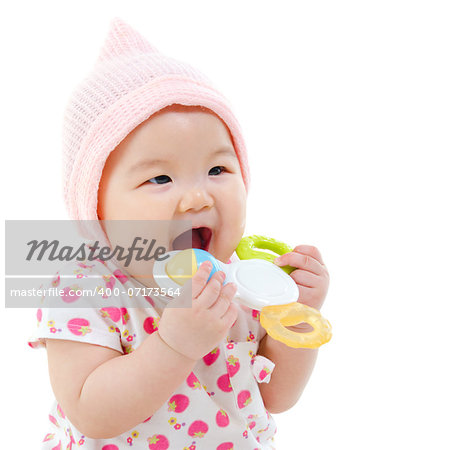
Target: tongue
[189, 239]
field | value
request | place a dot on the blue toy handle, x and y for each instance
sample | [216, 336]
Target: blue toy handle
[202, 255]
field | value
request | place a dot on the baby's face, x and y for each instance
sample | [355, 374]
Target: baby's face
[178, 165]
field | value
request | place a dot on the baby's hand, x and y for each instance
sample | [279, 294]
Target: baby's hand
[195, 331]
[311, 276]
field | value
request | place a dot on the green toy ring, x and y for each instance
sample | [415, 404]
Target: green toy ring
[250, 248]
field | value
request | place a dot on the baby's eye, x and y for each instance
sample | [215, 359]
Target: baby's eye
[217, 170]
[160, 179]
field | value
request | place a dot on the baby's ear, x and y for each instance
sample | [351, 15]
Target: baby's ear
[99, 211]
[122, 41]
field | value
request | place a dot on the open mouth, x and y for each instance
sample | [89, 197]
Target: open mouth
[193, 238]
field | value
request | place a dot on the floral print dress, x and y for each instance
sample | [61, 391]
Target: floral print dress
[217, 407]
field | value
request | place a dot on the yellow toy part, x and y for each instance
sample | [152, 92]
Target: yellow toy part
[276, 318]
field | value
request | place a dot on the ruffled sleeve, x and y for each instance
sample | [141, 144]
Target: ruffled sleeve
[262, 368]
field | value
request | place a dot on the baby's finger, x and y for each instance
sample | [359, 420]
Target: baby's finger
[309, 250]
[200, 278]
[211, 291]
[231, 315]
[300, 261]
[221, 305]
[308, 296]
[305, 278]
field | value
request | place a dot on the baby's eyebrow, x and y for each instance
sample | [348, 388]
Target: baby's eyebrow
[146, 163]
[225, 151]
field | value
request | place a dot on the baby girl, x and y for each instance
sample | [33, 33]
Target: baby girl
[149, 138]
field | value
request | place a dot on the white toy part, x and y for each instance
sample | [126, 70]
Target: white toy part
[261, 283]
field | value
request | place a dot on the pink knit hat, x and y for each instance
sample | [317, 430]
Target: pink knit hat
[130, 81]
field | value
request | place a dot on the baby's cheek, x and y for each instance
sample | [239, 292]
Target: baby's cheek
[238, 215]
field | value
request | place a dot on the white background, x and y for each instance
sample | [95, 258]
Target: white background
[345, 107]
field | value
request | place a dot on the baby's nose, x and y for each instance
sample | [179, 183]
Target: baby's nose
[196, 199]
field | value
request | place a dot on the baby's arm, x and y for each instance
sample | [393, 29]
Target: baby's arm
[293, 367]
[105, 393]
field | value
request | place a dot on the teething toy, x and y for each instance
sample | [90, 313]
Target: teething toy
[275, 318]
[261, 285]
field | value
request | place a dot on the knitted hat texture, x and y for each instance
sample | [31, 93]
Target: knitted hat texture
[130, 81]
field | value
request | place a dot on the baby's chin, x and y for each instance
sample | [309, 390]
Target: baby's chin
[222, 253]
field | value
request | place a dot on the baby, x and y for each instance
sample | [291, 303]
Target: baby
[150, 138]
